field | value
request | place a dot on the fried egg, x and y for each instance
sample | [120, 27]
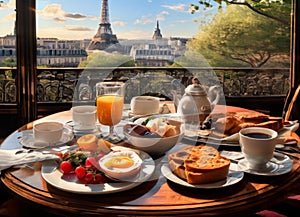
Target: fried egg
[121, 164]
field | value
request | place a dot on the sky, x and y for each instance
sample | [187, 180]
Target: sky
[130, 19]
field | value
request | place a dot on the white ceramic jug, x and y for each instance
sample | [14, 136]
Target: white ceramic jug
[195, 105]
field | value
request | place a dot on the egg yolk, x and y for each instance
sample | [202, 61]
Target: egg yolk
[119, 162]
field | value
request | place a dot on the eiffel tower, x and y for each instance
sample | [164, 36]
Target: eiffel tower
[104, 36]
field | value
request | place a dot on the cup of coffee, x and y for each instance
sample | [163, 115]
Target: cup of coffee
[258, 145]
[49, 132]
[84, 117]
[144, 105]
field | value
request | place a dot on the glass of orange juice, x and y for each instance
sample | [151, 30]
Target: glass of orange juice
[110, 102]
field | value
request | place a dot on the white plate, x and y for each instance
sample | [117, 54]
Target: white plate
[232, 140]
[278, 165]
[232, 178]
[54, 177]
[28, 141]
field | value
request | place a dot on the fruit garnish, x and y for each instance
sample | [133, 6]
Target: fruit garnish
[80, 172]
[88, 142]
[84, 165]
[66, 167]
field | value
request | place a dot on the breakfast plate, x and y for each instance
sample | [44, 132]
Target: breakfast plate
[28, 141]
[280, 164]
[54, 177]
[233, 177]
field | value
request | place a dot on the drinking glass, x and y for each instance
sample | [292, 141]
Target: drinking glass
[110, 102]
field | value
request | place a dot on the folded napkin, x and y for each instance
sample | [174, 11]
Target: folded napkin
[9, 158]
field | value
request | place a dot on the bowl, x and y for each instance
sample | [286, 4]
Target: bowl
[154, 146]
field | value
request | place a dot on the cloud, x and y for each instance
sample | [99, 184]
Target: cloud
[118, 23]
[55, 12]
[59, 20]
[161, 15]
[184, 21]
[149, 18]
[179, 7]
[10, 4]
[144, 20]
[75, 16]
[10, 17]
[78, 28]
[79, 16]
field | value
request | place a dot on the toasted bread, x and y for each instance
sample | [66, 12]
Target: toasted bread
[199, 164]
[233, 122]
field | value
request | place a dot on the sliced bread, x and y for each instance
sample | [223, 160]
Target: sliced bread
[199, 164]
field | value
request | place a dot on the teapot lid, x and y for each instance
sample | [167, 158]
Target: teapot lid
[195, 88]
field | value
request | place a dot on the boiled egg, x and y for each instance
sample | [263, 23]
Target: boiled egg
[121, 164]
[157, 125]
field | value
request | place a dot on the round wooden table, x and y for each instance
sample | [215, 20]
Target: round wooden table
[156, 197]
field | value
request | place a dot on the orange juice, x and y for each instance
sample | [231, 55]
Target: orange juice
[109, 109]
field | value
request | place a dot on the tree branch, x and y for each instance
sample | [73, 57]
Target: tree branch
[261, 13]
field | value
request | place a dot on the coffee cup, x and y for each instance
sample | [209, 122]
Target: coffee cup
[144, 105]
[258, 145]
[49, 132]
[84, 117]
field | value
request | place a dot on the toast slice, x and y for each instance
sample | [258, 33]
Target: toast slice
[199, 164]
[233, 122]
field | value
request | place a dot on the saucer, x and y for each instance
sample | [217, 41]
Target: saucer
[278, 165]
[27, 141]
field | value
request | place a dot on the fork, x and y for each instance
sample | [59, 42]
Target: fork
[48, 149]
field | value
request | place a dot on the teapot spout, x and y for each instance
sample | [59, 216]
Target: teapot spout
[214, 95]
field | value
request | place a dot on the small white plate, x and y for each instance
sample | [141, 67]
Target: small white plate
[54, 177]
[28, 141]
[232, 178]
[278, 165]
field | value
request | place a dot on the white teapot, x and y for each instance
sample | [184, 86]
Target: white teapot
[195, 105]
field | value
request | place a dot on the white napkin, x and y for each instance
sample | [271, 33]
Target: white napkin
[8, 158]
[232, 155]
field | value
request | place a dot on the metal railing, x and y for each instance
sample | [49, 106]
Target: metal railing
[61, 86]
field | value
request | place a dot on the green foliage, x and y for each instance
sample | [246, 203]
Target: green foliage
[9, 74]
[191, 58]
[104, 59]
[238, 36]
[9, 62]
[278, 10]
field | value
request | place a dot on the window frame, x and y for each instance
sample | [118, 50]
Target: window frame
[26, 47]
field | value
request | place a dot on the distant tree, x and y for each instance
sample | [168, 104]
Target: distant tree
[104, 59]
[191, 58]
[278, 10]
[238, 36]
[9, 62]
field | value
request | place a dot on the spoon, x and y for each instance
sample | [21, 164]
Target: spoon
[287, 148]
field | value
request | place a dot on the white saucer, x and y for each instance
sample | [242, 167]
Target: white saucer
[28, 141]
[278, 165]
[233, 177]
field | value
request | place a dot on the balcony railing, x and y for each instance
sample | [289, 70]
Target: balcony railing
[58, 88]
